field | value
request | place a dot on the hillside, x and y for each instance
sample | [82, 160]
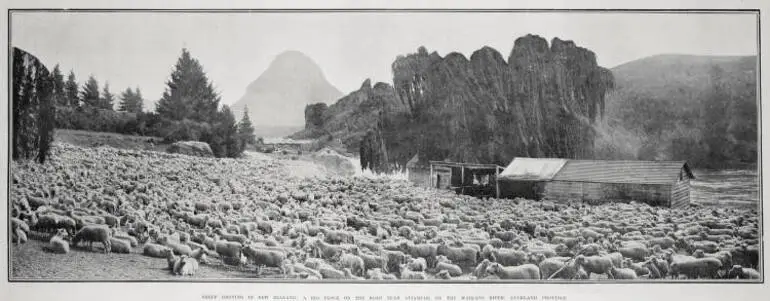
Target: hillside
[477, 109]
[278, 96]
[684, 107]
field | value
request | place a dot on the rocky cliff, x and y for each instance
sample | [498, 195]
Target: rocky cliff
[541, 102]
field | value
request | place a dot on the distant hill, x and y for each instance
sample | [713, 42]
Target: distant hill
[279, 95]
[687, 107]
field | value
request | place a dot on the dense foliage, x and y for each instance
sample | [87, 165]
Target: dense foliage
[699, 109]
[188, 110]
[34, 106]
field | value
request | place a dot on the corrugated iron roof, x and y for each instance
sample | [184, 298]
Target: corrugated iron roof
[624, 172]
[532, 169]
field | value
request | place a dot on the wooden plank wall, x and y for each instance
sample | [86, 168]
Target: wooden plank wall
[680, 194]
[657, 195]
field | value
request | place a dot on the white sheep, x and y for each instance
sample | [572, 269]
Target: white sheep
[57, 244]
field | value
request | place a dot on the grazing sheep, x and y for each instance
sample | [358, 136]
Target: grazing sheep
[724, 256]
[697, 268]
[740, 272]
[622, 273]
[639, 268]
[427, 251]
[349, 275]
[178, 248]
[120, 246]
[594, 264]
[155, 250]
[525, 271]
[373, 261]
[354, 263]
[325, 250]
[328, 272]
[94, 233]
[505, 257]
[17, 223]
[228, 249]
[444, 275]
[171, 259]
[57, 244]
[262, 257]
[394, 260]
[453, 269]
[466, 256]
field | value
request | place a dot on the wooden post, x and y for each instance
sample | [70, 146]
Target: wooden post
[462, 179]
[431, 176]
[497, 182]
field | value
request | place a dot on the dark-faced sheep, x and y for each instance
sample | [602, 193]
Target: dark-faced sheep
[94, 233]
[525, 271]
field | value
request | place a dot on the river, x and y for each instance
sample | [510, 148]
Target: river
[738, 188]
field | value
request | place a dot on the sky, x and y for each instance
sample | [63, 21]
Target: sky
[139, 49]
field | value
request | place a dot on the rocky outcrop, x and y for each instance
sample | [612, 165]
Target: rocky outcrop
[541, 102]
[191, 148]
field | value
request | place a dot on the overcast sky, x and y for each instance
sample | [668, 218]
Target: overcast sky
[140, 49]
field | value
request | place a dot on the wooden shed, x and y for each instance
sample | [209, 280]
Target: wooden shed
[465, 178]
[658, 183]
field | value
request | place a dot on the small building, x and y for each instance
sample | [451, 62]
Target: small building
[287, 145]
[465, 178]
[419, 172]
[658, 183]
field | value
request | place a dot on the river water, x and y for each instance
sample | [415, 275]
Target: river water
[725, 187]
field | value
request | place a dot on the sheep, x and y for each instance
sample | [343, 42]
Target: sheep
[324, 250]
[465, 255]
[417, 264]
[622, 273]
[349, 274]
[94, 233]
[451, 269]
[481, 269]
[131, 240]
[19, 236]
[697, 268]
[353, 262]
[178, 248]
[639, 268]
[740, 272]
[57, 244]
[337, 237]
[200, 255]
[155, 250]
[120, 246]
[377, 274]
[373, 261]
[724, 256]
[264, 257]
[550, 266]
[634, 251]
[410, 275]
[525, 271]
[17, 223]
[228, 249]
[506, 257]
[171, 259]
[427, 251]
[185, 266]
[594, 264]
[328, 272]
[393, 260]
[662, 266]
[290, 267]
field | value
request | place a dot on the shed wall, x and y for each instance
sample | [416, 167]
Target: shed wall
[532, 190]
[656, 195]
[680, 193]
[420, 176]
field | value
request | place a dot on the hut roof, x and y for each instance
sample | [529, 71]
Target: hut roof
[623, 172]
[532, 169]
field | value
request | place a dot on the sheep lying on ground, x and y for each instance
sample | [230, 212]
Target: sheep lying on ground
[525, 271]
[57, 244]
[94, 233]
[185, 266]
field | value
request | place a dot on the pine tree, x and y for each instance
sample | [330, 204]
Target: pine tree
[107, 100]
[90, 94]
[189, 93]
[245, 130]
[139, 101]
[224, 141]
[126, 101]
[58, 86]
[71, 90]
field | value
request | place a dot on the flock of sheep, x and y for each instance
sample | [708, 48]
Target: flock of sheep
[249, 213]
